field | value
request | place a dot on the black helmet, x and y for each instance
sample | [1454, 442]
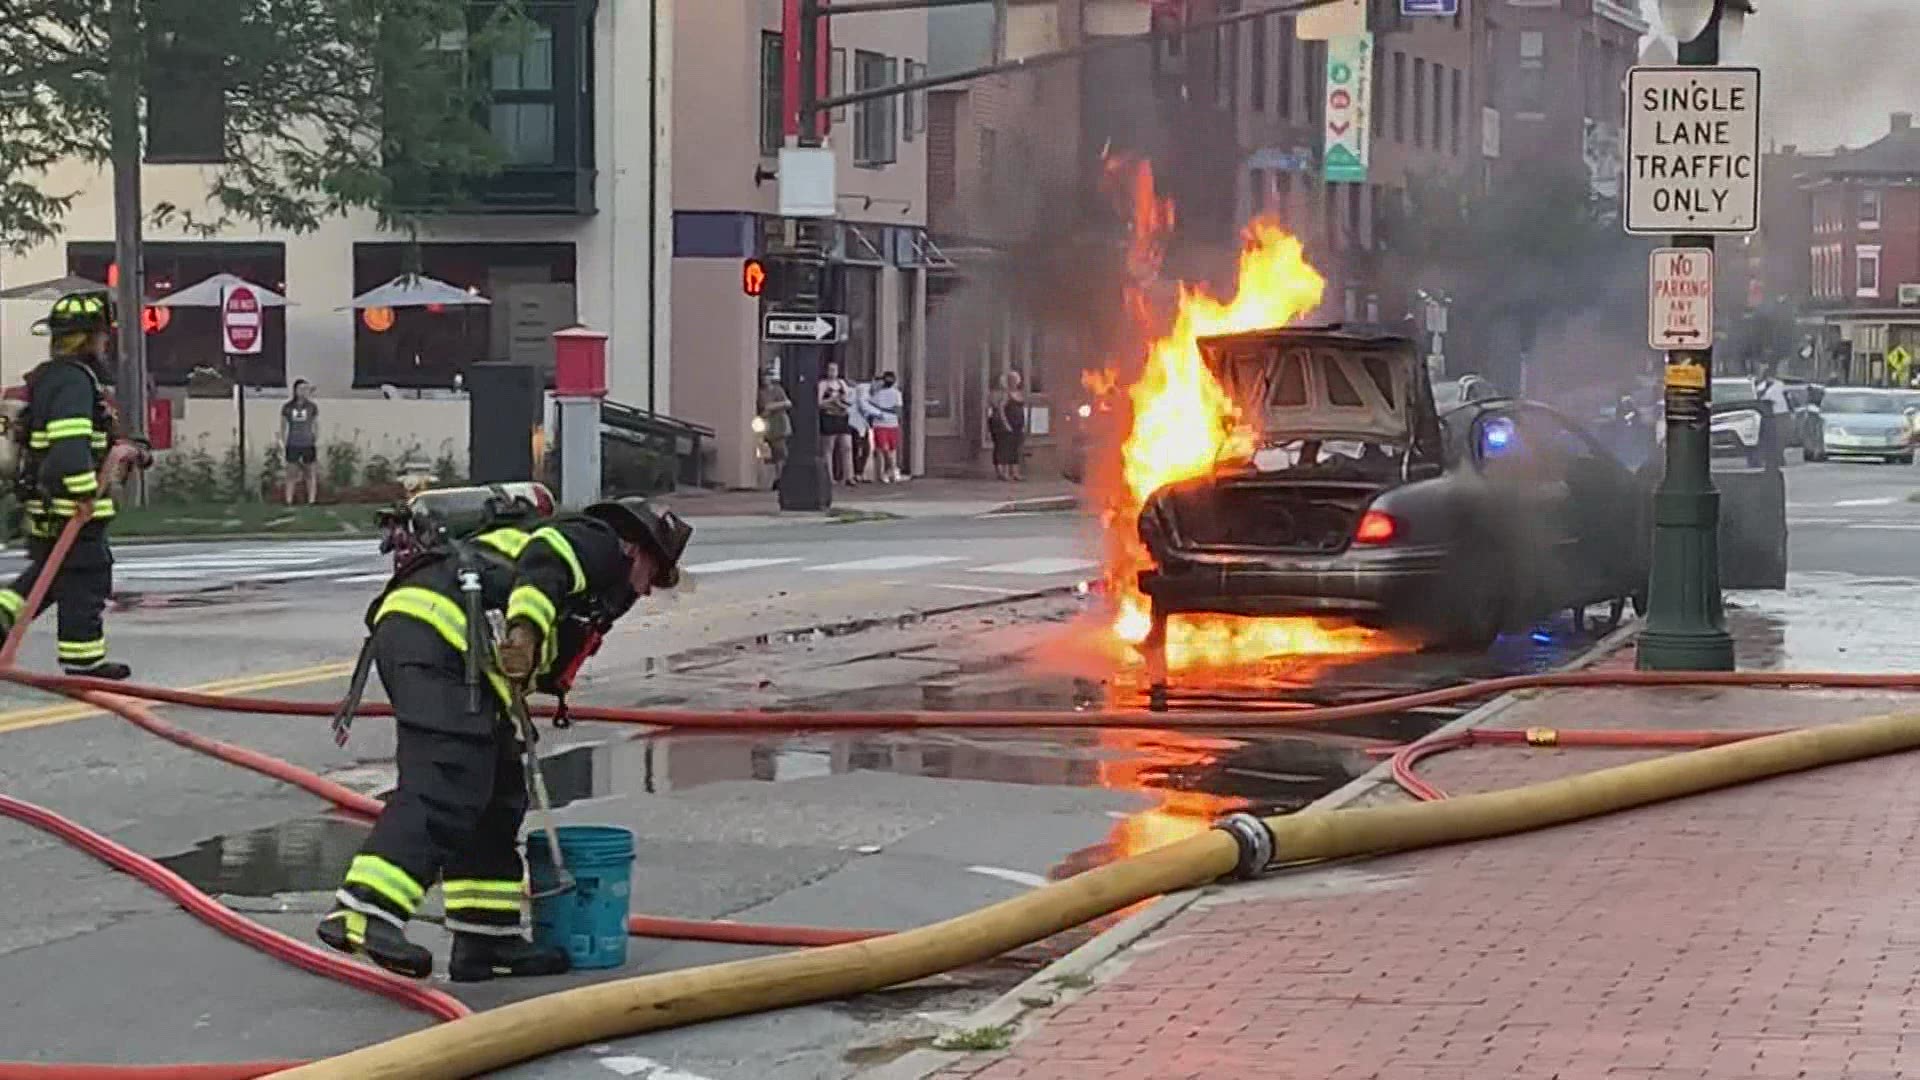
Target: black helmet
[83, 312]
[661, 532]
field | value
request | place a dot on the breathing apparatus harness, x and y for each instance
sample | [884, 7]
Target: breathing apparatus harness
[418, 537]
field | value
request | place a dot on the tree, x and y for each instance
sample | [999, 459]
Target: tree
[329, 105]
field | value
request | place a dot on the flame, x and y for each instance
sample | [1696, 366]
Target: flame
[1180, 422]
[1139, 761]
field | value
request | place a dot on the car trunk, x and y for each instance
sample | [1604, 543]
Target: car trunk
[1339, 417]
[1295, 516]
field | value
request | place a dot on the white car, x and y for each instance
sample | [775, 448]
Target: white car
[1734, 430]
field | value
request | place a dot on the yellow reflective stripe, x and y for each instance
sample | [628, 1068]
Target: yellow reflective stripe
[81, 483]
[99, 440]
[11, 602]
[468, 903]
[564, 549]
[102, 508]
[73, 427]
[528, 602]
[38, 441]
[383, 877]
[508, 542]
[497, 887]
[429, 607]
[355, 924]
[83, 650]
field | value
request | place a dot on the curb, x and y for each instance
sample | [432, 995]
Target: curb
[1042, 989]
[1043, 504]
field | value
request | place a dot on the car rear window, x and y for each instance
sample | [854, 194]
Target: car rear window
[1380, 373]
[1290, 389]
[1339, 390]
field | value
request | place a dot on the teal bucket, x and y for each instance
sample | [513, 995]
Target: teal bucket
[589, 920]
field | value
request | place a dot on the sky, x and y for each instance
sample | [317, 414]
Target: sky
[1831, 70]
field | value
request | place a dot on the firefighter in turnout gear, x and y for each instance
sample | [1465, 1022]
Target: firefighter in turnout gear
[456, 813]
[68, 434]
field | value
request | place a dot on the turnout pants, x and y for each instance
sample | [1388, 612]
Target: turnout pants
[81, 589]
[455, 816]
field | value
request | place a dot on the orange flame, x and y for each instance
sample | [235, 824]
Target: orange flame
[1182, 422]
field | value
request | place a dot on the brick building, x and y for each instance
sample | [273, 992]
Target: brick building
[1864, 254]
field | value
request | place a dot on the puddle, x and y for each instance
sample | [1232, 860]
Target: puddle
[305, 855]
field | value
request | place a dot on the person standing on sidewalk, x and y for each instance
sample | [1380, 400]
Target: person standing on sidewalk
[300, 440]
[836, 430]
[69, 431]
[860, 417]
[776, 421]
[887, 402]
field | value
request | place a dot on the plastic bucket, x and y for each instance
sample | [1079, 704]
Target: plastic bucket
[589, 920]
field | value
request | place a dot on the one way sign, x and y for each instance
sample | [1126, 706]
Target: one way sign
[791, 328]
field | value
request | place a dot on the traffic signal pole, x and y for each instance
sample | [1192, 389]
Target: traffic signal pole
[1686, 622]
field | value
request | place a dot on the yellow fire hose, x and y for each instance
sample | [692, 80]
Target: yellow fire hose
[529, 1029]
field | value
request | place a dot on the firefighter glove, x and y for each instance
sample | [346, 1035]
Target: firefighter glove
[520, 653]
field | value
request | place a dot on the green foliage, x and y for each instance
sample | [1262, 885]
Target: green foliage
[343, 465]
[233, 474]
[380, 470]
[168, 481]
[446, 470]
[331, 105]
[273, 468]
[203, 475]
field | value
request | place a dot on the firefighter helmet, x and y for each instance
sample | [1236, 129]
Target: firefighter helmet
[662, 532]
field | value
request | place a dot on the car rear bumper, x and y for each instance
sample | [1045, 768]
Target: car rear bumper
[1378, 586]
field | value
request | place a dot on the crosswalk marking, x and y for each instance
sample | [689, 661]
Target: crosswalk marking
[889, 562]
[362, 579]
[727, 566]
[1886, 501]
[1036, 566]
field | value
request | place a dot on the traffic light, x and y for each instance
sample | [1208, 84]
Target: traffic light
[753, 277]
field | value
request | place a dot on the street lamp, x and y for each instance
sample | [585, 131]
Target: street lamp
[1685, 19]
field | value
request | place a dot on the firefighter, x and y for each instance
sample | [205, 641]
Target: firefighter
[455, 815]
[69, 430]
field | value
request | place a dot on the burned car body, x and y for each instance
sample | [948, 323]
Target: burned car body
[1361, 500]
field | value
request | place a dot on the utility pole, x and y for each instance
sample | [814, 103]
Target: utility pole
[124, 82]
[1686, 626]
[800, 277]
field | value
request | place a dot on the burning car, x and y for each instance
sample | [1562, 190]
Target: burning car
[1349, 494]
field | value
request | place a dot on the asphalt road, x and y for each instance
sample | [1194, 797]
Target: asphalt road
[883, 830]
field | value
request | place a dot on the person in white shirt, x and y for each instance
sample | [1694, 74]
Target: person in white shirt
[1769, 389]
[861, 418]
[886, 402]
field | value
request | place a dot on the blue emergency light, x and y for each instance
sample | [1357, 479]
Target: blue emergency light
[1496, 436]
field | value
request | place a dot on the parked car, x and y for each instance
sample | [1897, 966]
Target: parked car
[1362, 500]
[1735, 427]
[1448, 393]
[1863, 422]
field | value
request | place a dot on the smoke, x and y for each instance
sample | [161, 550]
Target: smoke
[1832, 70]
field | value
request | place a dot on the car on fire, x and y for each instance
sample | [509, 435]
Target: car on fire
[1356, 497]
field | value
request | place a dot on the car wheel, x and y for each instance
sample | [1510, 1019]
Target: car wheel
[1904, 459]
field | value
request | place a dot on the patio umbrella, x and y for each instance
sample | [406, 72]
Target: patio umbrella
[415, 290]
[207, 293]
[52, 288]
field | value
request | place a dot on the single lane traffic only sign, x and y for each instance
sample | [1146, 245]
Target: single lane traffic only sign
[1680, 299]
[1693, 150]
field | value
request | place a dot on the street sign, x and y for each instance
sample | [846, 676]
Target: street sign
[1693, 150]
[1349, 110]
[1680, 299]
[1429, 7]
[1898, 361]
[799, 328]
[240, 324]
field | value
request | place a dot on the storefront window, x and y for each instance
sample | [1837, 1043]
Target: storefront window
[191, 337]
[530, 286]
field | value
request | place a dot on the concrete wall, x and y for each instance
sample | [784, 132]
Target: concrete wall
[427, 428]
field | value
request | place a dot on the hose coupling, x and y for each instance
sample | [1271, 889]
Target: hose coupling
[1255, 840]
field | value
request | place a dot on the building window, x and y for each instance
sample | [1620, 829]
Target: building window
[1257, 65]
[875, 136]
[1439, 95]
[1870, 208]
[1316, 82]
[1454, 113]
[913, 107]
[1419, 102]
[773, 93]
[1399, 97]
[1533, 45]
[532, 289]
[1226, 61]
[524, 106]
[1283, 63]
[186, 344]
[186, 108]
[837, 81]
[1530, 81]
[1867, 263]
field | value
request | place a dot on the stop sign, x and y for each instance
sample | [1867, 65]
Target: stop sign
[240, 326]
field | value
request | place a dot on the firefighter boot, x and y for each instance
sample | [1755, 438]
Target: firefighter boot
[351, 932]
[100, 669]
[479, 957]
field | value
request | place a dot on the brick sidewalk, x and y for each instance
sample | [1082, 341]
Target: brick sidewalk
[1771, 931]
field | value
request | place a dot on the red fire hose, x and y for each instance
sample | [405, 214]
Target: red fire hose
[1410, 755]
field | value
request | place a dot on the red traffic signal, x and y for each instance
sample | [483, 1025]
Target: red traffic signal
[753, 277]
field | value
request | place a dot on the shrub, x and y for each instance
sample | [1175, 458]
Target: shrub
[273, 470]
[233, 474]
[380, 470]
[203, 475]
[343, 464]
[446, 470]
[170, 480]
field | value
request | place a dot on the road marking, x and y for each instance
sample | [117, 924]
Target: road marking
[1890, 526]
[362, 579]
[1887, 501]
[647, 1069]
[728, 566]
[1035, 566]
[22, 719]
[890, 562]
[1018, 877]
[990, 590]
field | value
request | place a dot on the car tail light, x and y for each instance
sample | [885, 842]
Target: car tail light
[1375, 527]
